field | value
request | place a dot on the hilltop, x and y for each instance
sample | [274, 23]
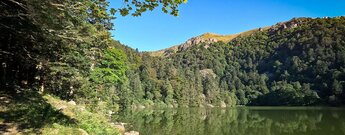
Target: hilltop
[210, 38]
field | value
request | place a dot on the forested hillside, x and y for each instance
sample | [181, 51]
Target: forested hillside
[299, 62]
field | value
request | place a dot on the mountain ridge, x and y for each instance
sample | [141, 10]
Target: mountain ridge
[210, 37]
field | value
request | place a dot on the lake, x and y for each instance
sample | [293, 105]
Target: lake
[237, 121]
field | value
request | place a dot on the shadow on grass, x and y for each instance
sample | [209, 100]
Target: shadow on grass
[28, 111]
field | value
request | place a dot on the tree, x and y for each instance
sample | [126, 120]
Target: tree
[136, 87]
[211, 90]
[168, 92]
[138, 7]
[110, 70]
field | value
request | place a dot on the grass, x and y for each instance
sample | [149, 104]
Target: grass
[224, 38]
[28, 112]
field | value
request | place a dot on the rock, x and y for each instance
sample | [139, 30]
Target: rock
[195, 41]
[82, 132]
[222, 104]
[284, 26]
[72, 102]
[132, 133]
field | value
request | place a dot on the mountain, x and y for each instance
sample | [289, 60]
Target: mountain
[204, 38]
[297, 62]
[210, 38]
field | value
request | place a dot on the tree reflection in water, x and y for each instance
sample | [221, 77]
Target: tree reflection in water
[237, 121]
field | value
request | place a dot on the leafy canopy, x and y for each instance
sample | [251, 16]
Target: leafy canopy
[137, 7]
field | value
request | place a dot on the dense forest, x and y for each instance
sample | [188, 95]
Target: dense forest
[299, 62]
[64, 48]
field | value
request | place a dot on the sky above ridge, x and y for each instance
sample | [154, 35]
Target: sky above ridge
[156, 30]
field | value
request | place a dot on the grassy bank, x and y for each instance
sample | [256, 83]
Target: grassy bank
[28, 112]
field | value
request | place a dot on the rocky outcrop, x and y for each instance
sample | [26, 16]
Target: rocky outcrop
[189, 43]
[195, 41]
[293, 23]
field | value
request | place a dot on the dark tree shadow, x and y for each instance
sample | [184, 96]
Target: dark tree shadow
[28, 110]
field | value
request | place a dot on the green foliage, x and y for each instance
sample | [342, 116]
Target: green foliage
[168, 93]
[168, 6]
[111, 68]
[92, 123]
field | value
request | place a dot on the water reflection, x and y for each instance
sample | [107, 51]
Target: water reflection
[237, 121]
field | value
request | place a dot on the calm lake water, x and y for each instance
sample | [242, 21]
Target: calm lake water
[238, 121]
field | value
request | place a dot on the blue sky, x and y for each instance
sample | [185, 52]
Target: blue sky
[156, 30]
